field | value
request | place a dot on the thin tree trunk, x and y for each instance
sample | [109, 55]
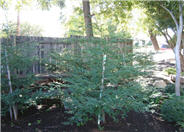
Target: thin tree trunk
[167, 40]
[177, 51]
[171, 45]
[101, 117]
[182, 47]
[154, 40]
[179, 27]
[18, 23]
[15, 111]
[87, 18]
[178, 67]
[14, 108]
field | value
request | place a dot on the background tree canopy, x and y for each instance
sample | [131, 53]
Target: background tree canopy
[26, 29]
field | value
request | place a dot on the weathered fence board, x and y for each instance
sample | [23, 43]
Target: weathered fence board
[46, 45]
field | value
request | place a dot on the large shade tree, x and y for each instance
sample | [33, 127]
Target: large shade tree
[102, 27]
[87, 18]
[169, 15]
[116, 10]
[147, 25]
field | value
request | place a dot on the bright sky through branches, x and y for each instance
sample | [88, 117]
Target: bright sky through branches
[49, 21]
[53, 26]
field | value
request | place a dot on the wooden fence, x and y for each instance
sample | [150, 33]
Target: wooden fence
[45, 45]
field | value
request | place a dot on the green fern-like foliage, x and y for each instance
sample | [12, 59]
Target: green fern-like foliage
[20, 61]
[172, 110]
[121, 92]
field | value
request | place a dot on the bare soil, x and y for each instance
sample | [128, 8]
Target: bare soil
[50, 119]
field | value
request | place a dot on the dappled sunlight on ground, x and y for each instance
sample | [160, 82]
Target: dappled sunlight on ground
[164, 55]
[163, 59]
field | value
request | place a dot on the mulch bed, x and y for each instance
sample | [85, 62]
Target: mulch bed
[51, 120]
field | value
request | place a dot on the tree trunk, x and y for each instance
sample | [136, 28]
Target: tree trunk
[12, 109]
[154, 40]
[87, 18]
[177, 51]
[182, 55]
[18, 23]
[178, 67]
[179, 27]
[167, 40]
[171, 45]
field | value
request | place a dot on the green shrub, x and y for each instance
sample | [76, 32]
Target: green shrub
[19, 96]
[170, 89]
[121, 93]
[172, 71]
[173, 109]
[19, 61]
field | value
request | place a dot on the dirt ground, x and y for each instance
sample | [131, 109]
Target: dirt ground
[52, 121]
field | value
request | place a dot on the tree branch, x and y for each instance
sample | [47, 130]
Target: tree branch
[172, 15]
[181, 15]
[169, 37]
[167, 40]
